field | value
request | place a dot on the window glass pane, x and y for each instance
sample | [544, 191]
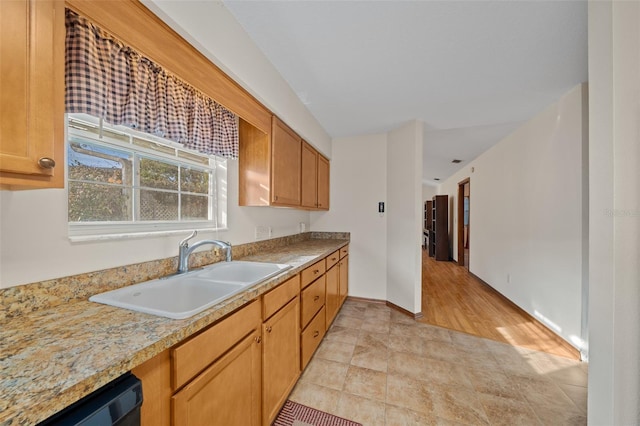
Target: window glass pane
[121, 181]
[95, 202]
[194, 180]
[158, 205]
[97, 163]
[158, 174]
[194, 207]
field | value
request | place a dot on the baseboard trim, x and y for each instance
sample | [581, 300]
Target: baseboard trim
[554, 335]
[366, 299]
[415, 316]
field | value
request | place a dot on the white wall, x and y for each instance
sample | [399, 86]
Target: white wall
[34, 244]
[210, 23]
[614, 257]
[404, 216]
[526, 215]
[428, 192]
[35, 247]
[358, 183]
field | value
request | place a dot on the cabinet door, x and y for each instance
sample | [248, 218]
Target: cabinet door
[227, 393]
[323, 183]
[344, 278]
[332, 296]
[281, 358]
[286, 158]
[309, 176]
[155, 375]
[32, 93]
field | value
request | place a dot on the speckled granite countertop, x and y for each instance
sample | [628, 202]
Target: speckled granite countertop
[50, 358]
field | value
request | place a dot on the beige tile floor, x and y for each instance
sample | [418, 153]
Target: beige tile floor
[377, 366]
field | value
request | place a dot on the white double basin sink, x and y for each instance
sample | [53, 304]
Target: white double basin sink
[184, 295]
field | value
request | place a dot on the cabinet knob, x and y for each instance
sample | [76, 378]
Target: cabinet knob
[333, 258]
[316, 333]
[316, 271]
[258, 339]
[315, 299]
[275, 197]
[46, 163]
[269, 329]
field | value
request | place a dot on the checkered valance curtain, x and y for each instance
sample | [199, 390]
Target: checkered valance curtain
[109, 80]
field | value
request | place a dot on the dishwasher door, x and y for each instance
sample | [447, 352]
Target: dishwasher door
[116, 403]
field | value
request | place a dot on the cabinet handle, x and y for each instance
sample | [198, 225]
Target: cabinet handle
[316, 334]
[258, 339]
[275, 197]
[46, 163]
[269, 329]
[315, 299]
[333, 258]
[315, 271]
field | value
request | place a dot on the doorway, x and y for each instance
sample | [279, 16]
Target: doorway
[464, 221]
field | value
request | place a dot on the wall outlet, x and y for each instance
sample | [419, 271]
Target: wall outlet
[303, 227]
[263, 232]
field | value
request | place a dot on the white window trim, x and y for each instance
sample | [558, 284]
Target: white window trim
[98, 231]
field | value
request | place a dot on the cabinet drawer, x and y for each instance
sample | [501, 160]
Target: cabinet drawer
[194, 355]
[332, 259]
[344, 251]
[280, 296]
[311, 337]
[310, 274]
[312, 300]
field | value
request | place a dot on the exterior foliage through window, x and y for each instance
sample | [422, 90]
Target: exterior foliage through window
[121, 181]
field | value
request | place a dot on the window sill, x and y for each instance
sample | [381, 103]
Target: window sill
[139, 235]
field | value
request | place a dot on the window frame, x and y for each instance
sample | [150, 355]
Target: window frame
[135, 228]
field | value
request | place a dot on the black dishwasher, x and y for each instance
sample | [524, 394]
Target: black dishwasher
[116, 403]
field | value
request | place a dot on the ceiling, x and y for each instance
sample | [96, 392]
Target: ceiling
[473, 71]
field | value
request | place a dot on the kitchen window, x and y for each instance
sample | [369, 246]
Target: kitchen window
[122, 182]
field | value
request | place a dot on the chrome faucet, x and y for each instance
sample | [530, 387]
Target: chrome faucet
[185, 250]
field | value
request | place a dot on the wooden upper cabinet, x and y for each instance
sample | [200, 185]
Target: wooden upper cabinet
[286, 149]
[31, 94]
[309, 176]
[254, 166]
[315, 179]
[323, 183]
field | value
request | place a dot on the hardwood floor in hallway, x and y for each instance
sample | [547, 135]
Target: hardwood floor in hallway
[455, 299]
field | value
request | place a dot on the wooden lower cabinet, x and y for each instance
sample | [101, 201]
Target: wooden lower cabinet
[343, 266]
[156, 390]
[312, 336]
[280, 358]
[240, 370]
[312, 299]
[227, 393]
[332, 302]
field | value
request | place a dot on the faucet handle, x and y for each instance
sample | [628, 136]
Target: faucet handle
[185, 242]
